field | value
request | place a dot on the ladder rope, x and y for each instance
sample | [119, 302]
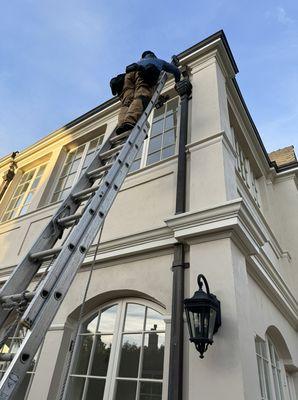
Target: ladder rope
[78, 324]
[82, 307]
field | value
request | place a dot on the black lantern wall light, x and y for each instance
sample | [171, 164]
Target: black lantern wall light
[203, 316]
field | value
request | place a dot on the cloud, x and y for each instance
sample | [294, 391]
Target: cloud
[280, 15]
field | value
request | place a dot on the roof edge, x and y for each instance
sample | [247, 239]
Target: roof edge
[215, 36]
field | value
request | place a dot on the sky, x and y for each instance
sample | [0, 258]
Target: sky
[57, 57]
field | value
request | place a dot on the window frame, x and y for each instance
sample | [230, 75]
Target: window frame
[146, 143]
[115, 354]
[284, 385]
[29, 189]
[67, 150]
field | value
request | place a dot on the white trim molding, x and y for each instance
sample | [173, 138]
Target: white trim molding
[250, 232]
[230, 216]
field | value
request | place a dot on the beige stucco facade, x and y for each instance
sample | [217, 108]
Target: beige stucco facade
[240, 229]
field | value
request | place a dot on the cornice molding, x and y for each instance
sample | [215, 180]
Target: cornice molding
[230, 216]
[237, 221]
[220, 137]
[272, 283]
[156, 239]
[215, 49]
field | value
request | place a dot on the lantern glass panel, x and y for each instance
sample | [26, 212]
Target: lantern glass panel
[212, 320]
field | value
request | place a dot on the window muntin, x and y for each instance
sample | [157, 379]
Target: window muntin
[161, 141]
[21, 199]
[119, 354]
[75, 163]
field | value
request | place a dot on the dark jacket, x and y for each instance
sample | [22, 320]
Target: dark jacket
[161, 65]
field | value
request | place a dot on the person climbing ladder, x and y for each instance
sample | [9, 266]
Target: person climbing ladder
[135, 88]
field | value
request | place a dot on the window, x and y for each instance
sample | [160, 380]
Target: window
[11, 346]
[22, 197]
[119, 354]
[276, 372]
[246, 173]
[161, 142]
[263, 369]
[274, 381]
[74, 165]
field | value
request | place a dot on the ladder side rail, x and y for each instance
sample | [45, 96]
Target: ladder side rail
[23, 358]
[42, 321]
[95, 206]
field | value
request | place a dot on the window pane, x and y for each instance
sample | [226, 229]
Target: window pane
[170, 121]
[169, 138]
[107, 319]
[135, 165]
[153, 355]
[168, 152]
[79, 152]
[90, 325]
[130, 354]
[103, 344]
[126, 390]
[61, 184]
[150, 391]
[55, 197]
[154, 321]
[69, 180]
[172, 106]
[135, 315]
[82, 355]
[153, 158]
[95, 389]
[35, 183]
[157, 127]
[75, 388]
[158, 113]
[65, 169]
[29, 197]
[155, 144]
[88, 160]
[41, 170]
[261, 381]
[75, 166]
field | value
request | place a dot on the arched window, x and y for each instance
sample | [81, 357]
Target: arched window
[275, 383]
[276, 369]
[119, 354]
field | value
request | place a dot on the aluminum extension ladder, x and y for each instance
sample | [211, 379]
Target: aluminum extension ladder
[111, 164]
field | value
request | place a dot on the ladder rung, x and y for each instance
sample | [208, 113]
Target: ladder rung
[17, 297]
[110, 152]
[83, 193]
[6, 356]
[116, 138]
[70, 218]
[41, 255]
[99, 170]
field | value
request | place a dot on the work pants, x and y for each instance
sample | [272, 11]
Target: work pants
[135, 96]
